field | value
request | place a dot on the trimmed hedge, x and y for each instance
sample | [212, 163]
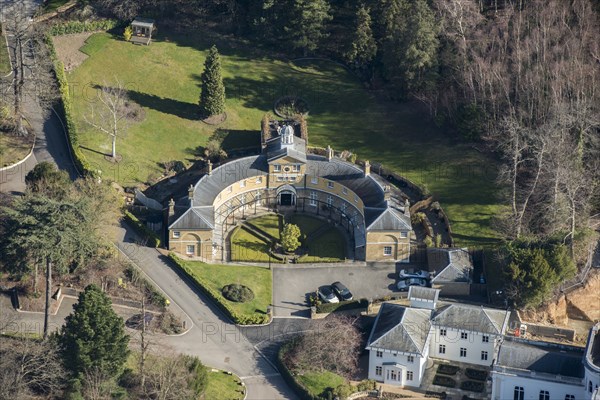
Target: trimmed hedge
[70, 27]
[66, 109]
[341, 306]
[476, 374]
[472, 386]
[443, 380]
[447, 369]
[217, 297]
[143, 230]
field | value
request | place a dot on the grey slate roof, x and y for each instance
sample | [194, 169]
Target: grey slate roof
[451, 265]
[297, 150]
[390, 219]
[195, 218]
[541, 357]
[423, 293]
[473, 318]
[145, 22]
[402, 329]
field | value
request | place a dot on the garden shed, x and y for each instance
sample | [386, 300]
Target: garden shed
[142, 30]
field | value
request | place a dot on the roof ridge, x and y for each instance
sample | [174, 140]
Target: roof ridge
[407, 333]
[181, 216]
[489, 319]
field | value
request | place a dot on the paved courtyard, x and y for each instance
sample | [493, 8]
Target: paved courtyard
[292, 284]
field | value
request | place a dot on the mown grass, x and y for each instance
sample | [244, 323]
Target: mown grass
[317, 382]
[256, 278]
[269, 223]
[330, 246]
[306, 223]
[247, 247]
[164, 79]
[223, 386]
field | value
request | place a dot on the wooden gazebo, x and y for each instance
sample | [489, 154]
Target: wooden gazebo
[142, 30]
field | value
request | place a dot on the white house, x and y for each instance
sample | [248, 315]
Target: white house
[399, 345]
[467, 333]
[528, 370]
[591, 364]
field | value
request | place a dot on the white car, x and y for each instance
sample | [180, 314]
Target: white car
[404, 284]
[418, 274]
[327, 295]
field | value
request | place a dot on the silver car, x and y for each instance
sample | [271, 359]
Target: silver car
[404, 284]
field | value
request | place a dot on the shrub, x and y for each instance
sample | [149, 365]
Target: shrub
[366, 385]
[154, 295]
[417, 218]
[342, 391]
[442, 380]
[238, 293]
[341, 306]
[146, 233]
[69, 27]
[427, 241]
[476, 374]
[447, 369]
[290, 236]
[472, 386]
[127, 33]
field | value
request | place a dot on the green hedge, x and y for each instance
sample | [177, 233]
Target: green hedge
[143, 230]
[342, 305]
[69, 27]
[288, 377]
[66, 110]
[217, 297]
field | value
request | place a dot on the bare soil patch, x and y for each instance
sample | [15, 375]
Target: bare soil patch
[67, 48]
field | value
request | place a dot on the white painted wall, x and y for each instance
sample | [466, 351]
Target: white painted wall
[417, 367]
[503, 386]
[593, 377]
[474, 345]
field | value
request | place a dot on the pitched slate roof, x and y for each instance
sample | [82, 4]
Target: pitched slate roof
[391, 219]
[399, 328]
[276, 149]
[195, 218]
[451, 265]
[423, 293]
[541, 357]
[473, 318]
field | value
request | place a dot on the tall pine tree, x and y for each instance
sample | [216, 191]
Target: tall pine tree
[306, 28]
[363, 47]
[93, 337]
[212, 97]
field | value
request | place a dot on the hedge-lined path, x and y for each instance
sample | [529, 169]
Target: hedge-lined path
[213, 338]
[51, 141]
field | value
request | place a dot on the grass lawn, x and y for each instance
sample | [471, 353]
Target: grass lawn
[164, 79]
[223, 386]
[269, 223]
[318, 382]
[247, 247]
[256, 278]
[330, 246]
[306, 223]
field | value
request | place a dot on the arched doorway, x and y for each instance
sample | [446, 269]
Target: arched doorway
[286, 195]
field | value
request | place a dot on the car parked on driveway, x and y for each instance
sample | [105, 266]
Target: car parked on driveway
[327, 295]
[404, 284]
[417, 274]
[341, 291]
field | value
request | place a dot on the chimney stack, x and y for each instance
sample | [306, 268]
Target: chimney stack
[367, 168]
[387, 193]
[171, 207]
[329, 153]
[191, 192]
[209, 167]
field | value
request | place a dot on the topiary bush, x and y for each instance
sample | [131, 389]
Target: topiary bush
[238, 293]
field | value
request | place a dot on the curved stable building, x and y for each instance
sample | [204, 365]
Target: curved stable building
[284, 178]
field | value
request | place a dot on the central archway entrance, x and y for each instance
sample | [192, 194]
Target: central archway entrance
[286, 195]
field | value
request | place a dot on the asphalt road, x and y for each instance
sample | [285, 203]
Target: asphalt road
[292, 284]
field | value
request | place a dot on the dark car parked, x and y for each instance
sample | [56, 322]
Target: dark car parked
[341, 291]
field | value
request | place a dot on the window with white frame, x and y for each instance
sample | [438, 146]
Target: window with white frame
[345, 190]
[519, 393]
[442, 349]
[258, 180]
[569, 397]
[463, 351]
[544, 395]
[230, 189]
[464, 335]
[314, 180]
[443, 332]
[296, 168]
[403, 234]
[329, 201]
[485, 339]
[330, 185]
[410, 359]
[277, 168]
[378, 370]
[190, 249]
[387, 250]
[280, 178]
[484, 356]
[313, 198]
[176, 234]
[243, 183]
[379, 353]
[258, 198]
[409, 375]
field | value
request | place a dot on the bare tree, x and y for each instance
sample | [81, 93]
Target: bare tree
[109, 113]
[168, 379]
[96, 385]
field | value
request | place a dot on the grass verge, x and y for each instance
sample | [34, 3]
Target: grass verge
[211, 278]
[222, 385]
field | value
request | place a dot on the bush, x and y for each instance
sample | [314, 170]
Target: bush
[66, 28]
[442, 380]
[343, 391]
[447, 369]
[472, 386]
[146, 233]
[217, 297]
[366, 385]
[154, 295]
[127, 33]
[341, 306]
[238, 293]
[427, 241]
[476, 374]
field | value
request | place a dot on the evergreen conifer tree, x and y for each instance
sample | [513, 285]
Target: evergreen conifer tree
[212, 97]
[363, 47]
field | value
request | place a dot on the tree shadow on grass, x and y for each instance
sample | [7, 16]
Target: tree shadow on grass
[168, 106]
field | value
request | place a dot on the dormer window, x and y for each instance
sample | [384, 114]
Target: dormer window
[277, 168]
[243, 184]
[314, 180]
[330, 185]
[345, 190]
